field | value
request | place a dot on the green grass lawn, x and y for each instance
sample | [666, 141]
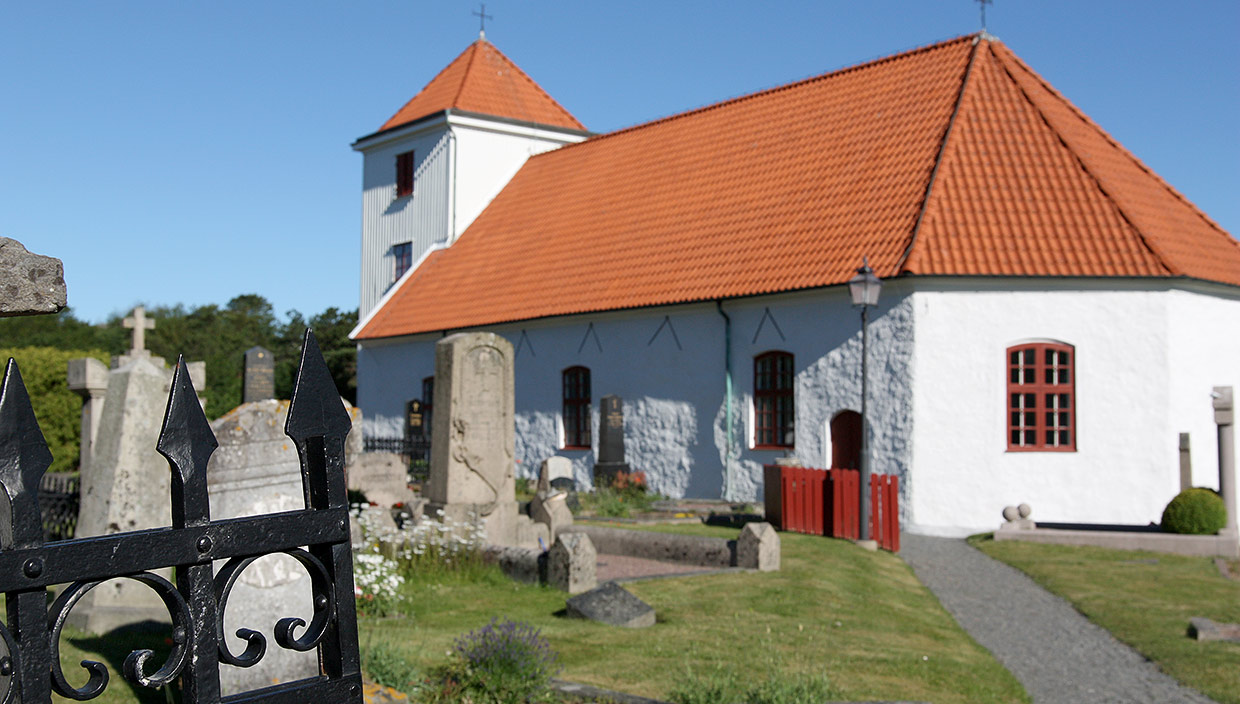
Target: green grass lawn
[1145, 599]
[860, 617]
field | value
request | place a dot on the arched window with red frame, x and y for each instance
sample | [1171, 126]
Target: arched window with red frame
[1041, 397]
[576, 408]
[774, 405]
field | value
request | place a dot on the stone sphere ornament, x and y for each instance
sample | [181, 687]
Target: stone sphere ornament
[1011, 513]
[1025, 510]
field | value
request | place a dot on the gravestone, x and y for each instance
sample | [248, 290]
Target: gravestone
[384, 478]
[126, 488]
[259, 382]
[610, 441]
[757, 547]
[30, 284]
[613, 605]
[415, 420]
[256, 470]
[139, 323]
[571, 563]
[88, 378]
[472, 467]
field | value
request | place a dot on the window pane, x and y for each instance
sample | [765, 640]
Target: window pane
[1015, 357]
[1030, 437]
[1015, 437]
[1063, 420]
[1050, 437]
[1030, 419]
[1029, 357]
[1028, 376]
[1063, 437]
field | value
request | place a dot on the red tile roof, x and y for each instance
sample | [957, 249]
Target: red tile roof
[483, 80]
[787, 189]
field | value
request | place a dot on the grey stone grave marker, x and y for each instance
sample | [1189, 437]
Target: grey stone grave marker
[259, 382]
[610, 441]
[472, 467]
[613, 605]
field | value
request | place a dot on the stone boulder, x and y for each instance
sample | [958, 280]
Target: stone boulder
[32, 284]
[613, 605]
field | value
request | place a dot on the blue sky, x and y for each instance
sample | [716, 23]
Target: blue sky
[188, 152]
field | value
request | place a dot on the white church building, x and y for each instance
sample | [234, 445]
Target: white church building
[1054, 315]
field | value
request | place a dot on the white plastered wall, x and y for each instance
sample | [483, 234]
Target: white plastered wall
[1204, 325]
[1125, 467]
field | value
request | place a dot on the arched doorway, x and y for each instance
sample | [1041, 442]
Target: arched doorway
[846, 440]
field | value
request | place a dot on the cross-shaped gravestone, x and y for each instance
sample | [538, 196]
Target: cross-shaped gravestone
[140, 324]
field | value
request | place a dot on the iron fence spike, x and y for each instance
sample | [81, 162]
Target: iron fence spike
[186, 440]
[24, 457]
[316, 409]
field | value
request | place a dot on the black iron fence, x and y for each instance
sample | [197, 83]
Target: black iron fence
[416, 450]
[317, 537]
[59, 500]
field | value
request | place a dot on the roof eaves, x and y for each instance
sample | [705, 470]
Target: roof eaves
[938, 161]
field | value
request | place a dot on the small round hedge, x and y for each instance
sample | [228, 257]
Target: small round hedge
[1195, 511]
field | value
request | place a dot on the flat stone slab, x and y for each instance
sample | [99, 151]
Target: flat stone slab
[1205, 629]
[612, 604]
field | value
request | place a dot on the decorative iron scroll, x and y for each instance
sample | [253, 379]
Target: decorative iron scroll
[317, 537]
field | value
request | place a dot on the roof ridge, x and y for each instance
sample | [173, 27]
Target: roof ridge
[423, 89]
[528, 79]
[460, 88]
[1123, 213]
[1113, 142]
[938, 161]
[767, 91]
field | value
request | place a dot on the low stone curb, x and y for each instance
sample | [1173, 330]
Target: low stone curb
[585, 690]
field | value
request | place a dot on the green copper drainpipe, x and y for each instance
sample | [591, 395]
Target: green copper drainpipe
[727, 377]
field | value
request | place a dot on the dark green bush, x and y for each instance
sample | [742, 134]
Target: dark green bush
[1195, 511]
[45, 372]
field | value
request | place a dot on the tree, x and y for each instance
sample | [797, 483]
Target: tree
[44, 370]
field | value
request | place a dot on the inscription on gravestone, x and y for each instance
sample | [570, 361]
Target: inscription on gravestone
[611, 440]
[259, 383]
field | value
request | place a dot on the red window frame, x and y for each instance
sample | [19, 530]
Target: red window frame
[576, 395]
[774, 404]
[1041, 397]
[404, 174]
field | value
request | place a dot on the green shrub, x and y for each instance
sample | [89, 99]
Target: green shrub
[45, 373]
[504, 662]
[386, 667]
[1195, 511]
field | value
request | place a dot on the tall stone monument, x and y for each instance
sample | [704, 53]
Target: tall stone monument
[610, 441]
[259, 382]
[125, 481]
[472, 467]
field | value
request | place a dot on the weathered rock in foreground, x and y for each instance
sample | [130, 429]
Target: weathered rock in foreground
[613, 605]
[30, 284]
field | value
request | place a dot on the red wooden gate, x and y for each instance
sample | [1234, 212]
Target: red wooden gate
[827, 502]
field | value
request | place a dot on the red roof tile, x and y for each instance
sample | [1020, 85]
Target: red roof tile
[483, 80]
[787, 189]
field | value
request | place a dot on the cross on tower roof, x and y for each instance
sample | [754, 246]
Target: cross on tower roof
[482, 21]
[140, 324]
[982, 4]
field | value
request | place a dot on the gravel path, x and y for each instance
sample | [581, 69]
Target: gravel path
[1057, 654]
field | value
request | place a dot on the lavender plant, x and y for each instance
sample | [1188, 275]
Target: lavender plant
[506, 662]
